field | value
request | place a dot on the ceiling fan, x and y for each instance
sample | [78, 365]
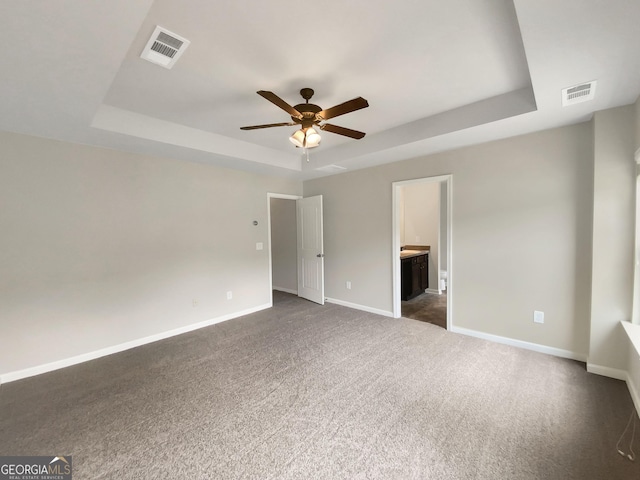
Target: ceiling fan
[308, 115]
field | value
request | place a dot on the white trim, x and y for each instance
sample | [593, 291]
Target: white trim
[103, 352]
[284, 196]
[634, 390]
[607, 371]
[396, 276]
[556, 352]
[285, 290]
[433, 291]
[356, 306]
[637, 156]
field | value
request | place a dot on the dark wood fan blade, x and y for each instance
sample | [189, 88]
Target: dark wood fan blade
[346, 107]
[347, 132]
[276, 100]
[268, 125]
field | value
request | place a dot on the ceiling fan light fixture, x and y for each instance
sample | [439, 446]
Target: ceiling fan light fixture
[305, 138]
[312, 138]
[298, 138]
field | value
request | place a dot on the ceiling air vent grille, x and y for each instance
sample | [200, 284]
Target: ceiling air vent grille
[578, 93]
[164, 48]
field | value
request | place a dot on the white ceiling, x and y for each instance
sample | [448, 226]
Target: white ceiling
[437, 75]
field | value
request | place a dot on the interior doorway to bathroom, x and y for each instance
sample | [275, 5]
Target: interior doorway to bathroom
[422, 250]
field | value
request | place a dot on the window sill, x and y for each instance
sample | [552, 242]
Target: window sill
[633, 331]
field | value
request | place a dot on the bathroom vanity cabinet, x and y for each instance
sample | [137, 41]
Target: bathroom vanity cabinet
[414, 273]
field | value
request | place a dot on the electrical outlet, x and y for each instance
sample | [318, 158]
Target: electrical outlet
[229, 295]
[348, 285]
[538, 317]
[259, 246]
[194, 302]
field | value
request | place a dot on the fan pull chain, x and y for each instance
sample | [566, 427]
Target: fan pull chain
[631, 455]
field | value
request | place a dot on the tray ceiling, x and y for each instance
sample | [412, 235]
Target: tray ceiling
[437, 75]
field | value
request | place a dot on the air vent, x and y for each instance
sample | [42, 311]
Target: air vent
[164, 48]
[578, 93]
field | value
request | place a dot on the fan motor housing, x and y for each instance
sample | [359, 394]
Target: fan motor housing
[308, 111]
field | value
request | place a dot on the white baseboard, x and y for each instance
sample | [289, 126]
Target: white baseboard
[433, 291]
[607, 371]
[285, 290]
[557, 352]
[85, 357]
[356, 306]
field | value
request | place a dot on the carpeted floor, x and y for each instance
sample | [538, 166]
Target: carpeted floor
[303, 391]
[428, 307]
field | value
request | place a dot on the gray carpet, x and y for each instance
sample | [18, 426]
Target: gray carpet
[302, 391]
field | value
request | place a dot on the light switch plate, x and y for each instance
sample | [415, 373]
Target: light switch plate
[259, 246]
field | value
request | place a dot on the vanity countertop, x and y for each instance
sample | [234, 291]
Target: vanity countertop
[412, 253]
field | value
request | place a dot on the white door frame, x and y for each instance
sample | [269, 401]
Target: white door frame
[395, 243]
[269, 197]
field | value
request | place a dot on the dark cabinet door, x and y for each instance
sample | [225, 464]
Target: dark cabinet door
[424, 274]
[416, 270]
[405, 274]
[414, 273]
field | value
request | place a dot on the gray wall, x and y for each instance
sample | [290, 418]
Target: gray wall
[100, 247]
[284, 256]
[522, 212]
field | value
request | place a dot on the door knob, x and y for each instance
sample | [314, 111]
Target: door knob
[320, 255]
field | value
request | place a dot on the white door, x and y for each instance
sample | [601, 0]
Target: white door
[310, 249]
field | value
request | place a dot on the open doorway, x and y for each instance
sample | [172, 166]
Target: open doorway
[422, 250]
[282, 246]
[296, 246]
